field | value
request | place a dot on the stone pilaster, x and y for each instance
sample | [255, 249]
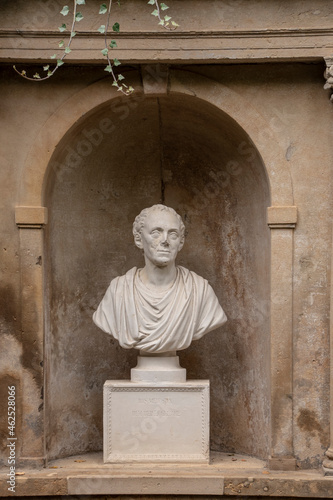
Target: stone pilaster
[282, 221]
[30, 221]
[328, 461]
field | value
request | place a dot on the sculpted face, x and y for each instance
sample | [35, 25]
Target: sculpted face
[160, 238]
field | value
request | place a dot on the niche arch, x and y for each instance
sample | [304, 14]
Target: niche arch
[249, 154]
[32, 190]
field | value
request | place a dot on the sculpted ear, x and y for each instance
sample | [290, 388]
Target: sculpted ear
[181, 245]
[137, 241]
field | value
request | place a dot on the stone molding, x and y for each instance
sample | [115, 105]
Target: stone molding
[328, 75]
[282, 217]
[199, 46]
[30, 217]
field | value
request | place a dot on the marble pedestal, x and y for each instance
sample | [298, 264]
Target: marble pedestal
[153, 419]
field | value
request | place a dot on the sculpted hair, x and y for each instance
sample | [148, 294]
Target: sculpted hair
[140, 219]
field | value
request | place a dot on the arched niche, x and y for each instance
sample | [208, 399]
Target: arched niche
[117, 159]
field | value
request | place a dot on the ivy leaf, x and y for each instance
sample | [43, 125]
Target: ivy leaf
[101, 29]
[78, 17]
[103, 9]
[80, 2]
[60, 62]
[167, 18]
[120, 88]
[36, 75]
[62, 27]
[113, 44]
[105, 52]
[54, 56]
[67, 50]
[163, 6]
[130, 89]
[65, 10]
[49, 73]
[155, 13]
[151, 2]
[45, 68]
[116, 62]
[23, 72]
[121, 77]
[116, 27]
[61, 43]
[115, 84]
[108, 68]
[73, 33]
[161, 22]
[174, 24]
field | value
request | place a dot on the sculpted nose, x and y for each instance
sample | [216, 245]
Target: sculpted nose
[165, 238]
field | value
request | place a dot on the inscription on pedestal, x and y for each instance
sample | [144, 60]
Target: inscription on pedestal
[149, 422]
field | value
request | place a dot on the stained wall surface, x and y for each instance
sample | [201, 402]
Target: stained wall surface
[187, 144]
[181, 152]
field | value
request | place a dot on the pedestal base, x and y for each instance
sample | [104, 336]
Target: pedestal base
[151, 422]
[158, 369]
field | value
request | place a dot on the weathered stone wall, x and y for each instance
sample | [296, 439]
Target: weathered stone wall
[93, 195]
[177, 148]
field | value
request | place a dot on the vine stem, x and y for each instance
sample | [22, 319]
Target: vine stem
[115, 80]
[106, 41]
[62, 57]
[162, 22]
[111, 63]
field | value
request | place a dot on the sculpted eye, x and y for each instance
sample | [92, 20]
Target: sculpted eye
[155, 233]
[174, 235]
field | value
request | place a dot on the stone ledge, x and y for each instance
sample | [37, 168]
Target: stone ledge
[226, 475]
[159, 485]
[299, 485]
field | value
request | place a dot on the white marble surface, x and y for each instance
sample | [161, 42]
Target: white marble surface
[151, 422]
[158, 369]
[161, 307]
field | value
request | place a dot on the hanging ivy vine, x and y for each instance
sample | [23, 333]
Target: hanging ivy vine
[109, 44]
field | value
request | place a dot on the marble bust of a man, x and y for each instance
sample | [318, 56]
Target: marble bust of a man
[162, 307]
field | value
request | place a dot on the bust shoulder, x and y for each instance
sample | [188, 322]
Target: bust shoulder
[191, 275]
[125, 279]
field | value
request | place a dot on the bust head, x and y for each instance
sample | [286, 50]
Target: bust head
[160, 308]
[160, 232]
